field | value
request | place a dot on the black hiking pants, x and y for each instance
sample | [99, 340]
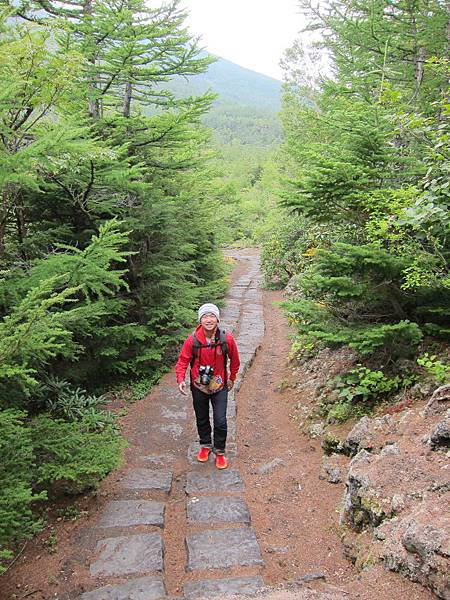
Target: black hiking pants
[219, 402]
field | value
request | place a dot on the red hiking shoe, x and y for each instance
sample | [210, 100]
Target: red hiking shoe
[221, 461]
[203, 454]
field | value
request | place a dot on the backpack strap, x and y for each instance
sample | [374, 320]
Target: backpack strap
[224, 346]
[195, 347]
[221, 338]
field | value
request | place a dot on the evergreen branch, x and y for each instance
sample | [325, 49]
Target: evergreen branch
[16, 125]
[33, 19]
[40, 115]
[154, 140]
[58, 12]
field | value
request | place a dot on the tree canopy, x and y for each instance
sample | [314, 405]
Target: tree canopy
[366, 171]
[107, 242]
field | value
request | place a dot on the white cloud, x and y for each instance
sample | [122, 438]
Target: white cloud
[251, 33]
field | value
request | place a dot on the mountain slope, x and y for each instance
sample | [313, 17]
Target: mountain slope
[233, 84]
[246, 106]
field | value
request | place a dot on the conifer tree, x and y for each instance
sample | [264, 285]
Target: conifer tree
[355, 164]
[106, 238]
[144, 146]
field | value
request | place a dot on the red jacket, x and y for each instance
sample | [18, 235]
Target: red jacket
[208, 356]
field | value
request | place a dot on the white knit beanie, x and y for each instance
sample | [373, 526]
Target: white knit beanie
[208, 308]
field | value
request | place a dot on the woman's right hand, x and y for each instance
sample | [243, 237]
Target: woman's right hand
[182, 388]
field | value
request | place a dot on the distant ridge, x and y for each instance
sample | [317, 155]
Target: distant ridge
[233, 83]
[246, 106]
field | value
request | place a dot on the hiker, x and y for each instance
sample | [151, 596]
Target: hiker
[207, 351]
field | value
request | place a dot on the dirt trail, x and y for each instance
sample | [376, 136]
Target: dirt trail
[165, 526]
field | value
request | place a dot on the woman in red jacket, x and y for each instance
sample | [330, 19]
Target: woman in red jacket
[207, 351]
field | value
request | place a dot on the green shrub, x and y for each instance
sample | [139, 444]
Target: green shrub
[63, 400]
[314, 320]
[436, 368]
[16, 470]
[342, 411]
[288, 250]
[70, 458]
[304, 348]
[45, 457]
[360, 389]
[59, 299]
[364, 385]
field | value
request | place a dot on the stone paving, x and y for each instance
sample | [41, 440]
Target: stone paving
[219, 587]
[223, 548]
[129, 554]
[148, 479]
[217, 509]
[132, 565]
[124, 513]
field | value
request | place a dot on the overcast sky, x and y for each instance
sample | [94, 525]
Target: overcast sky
[251, 33]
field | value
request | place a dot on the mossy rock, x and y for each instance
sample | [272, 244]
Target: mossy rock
[331, 444]
[372, 507]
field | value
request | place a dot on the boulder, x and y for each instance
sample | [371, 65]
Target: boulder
[361, 505]
[418, 545]
[334, 468]
[439, 401]
[368, 434]
[440, 435]
[381, 486]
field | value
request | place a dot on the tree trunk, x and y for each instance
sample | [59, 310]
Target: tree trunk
[21, 229]
[127, 99]
[419, 56]
[8, 195]
[93, 102]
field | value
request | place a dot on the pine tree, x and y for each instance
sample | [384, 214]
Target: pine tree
[133, 156]
[355, 164]
[107, 240]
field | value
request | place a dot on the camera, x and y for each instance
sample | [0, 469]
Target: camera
[205, 372]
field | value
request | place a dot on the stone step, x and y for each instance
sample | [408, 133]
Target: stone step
[194, 447]
[126, 513]
[228, 480]
[219, 587]
[148, 479]
[128, 555]
[217, 509]
[174, 412]
[172, 431]
[159, 460]
[219, 549]
[144, 588]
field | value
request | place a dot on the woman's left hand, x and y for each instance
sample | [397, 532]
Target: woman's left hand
[230, 384]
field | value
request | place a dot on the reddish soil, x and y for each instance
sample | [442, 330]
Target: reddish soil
[294, 512]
